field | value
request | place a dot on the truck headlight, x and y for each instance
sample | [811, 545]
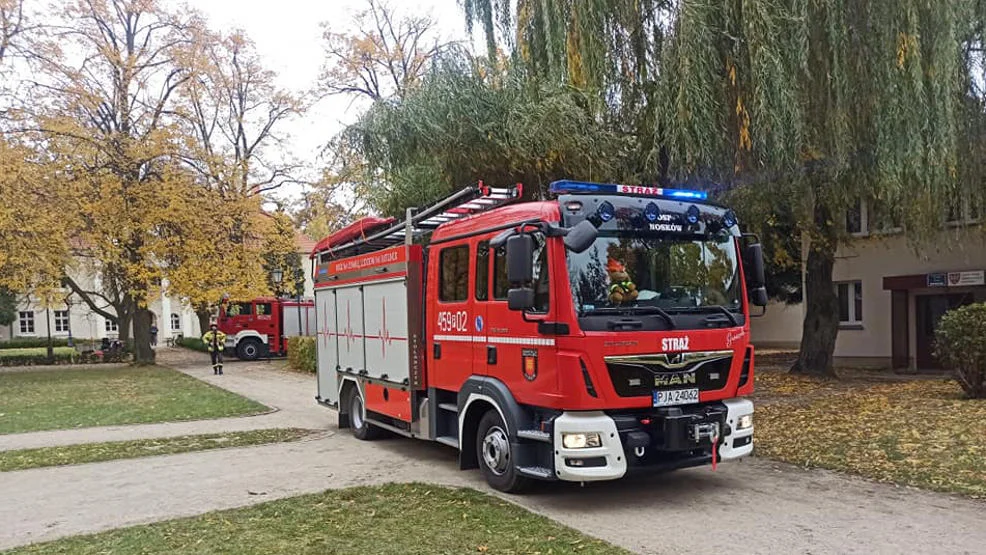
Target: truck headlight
[581, 440]
[744, 422]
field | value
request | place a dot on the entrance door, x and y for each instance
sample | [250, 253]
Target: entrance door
[929, 310]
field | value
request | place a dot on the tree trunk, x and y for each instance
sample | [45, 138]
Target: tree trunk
[821, 325]
[143, 353]
[205, 316]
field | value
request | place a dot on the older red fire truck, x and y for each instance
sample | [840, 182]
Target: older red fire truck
[577, 339]
[261, 327]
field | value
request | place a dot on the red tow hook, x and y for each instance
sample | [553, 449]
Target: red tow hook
[715, 454]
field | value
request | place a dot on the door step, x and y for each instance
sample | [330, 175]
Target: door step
[535, 435]
[451, 407]
[448, 440]
[535, 471]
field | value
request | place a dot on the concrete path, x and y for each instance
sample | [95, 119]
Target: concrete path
[754, 506]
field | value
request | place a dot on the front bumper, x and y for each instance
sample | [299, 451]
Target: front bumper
[656, 439]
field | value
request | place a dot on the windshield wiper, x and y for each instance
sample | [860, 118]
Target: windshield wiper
[645, 310]
[716, 307]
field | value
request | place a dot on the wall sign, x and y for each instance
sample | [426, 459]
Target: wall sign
[938, 279]
[959, 279]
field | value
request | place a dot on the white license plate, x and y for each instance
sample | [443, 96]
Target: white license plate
[675, 397]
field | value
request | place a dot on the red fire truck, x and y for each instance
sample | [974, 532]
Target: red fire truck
[261, 327]
[579, 338]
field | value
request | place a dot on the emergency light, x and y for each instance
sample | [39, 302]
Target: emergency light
[584, 187]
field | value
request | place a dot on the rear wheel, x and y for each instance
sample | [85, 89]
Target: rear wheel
[495, 455]
[357, 418]
[249, 349]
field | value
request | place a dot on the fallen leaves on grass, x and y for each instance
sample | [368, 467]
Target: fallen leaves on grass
[408, 519]
[919, 433]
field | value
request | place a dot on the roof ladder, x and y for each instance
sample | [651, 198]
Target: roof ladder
[469, 201]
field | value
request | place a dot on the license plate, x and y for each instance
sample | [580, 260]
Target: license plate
[673, 397]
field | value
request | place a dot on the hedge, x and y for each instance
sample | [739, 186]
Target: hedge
[193, 343]
[960, 345]
[301, 354]
[33, 356]
[35, 342]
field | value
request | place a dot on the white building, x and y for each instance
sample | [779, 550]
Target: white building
[891, 293]
[171, 315]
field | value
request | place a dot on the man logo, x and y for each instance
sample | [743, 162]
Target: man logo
[675, 378]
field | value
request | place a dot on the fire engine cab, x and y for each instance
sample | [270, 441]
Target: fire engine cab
[579, 338]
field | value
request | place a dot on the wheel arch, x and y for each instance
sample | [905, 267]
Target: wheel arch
[476, 397]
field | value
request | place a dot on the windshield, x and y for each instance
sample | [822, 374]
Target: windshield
[669, 273]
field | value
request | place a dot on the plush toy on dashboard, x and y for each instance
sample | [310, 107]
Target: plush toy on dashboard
[621, 289]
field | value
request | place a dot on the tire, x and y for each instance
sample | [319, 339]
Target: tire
[495, 455]
[357, 418]
[249, 349]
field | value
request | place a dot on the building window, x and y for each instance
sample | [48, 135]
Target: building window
[850, 296]
[483, 271]
[26, 319]
[883, 217]
[453, 274]
[61, 321]
[854, 218]
[175, 322]
[111, 326]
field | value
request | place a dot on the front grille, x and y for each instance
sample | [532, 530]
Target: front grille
[639, 375]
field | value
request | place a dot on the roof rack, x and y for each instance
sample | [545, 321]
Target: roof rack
[417, 223]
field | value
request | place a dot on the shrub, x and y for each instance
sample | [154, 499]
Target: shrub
[35, 342]
[960, 345]
[194, 343]
[34, 356]
[301, 353]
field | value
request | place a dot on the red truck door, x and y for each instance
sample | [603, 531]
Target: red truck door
[524, 358]
[451, 315]
[266, 322]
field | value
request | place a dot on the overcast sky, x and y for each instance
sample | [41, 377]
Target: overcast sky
[289, 37]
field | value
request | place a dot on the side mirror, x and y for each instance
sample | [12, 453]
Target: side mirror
[580, 237]
[758, 296]
[520, 299]
[755, 276]
[520, 259]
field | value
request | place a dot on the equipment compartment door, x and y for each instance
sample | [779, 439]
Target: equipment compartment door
[385, 306]
[349, 308]
[327, 345]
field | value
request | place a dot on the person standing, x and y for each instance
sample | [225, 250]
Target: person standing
[215, 341]
[153, 335]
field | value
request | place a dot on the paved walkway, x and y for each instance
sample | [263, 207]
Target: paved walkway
[264, 381]
[754, 506]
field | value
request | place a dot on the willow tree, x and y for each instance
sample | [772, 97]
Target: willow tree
[467, 122]
[610, 50]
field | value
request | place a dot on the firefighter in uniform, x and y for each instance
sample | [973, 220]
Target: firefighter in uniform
[215, 341]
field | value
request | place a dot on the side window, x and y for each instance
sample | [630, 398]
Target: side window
[263, 309]
[540, 274]
[453, 274]
[483, 271]
[501, 285]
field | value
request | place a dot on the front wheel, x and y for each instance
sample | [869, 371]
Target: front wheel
[249, 349]
[357, 418]
[495, 455]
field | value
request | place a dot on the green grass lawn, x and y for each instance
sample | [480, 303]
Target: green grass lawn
[79, 398]
[95, 452]
[391, 519]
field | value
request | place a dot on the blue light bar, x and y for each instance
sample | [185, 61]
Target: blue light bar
[566, 186]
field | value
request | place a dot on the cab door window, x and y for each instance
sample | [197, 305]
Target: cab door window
[483, 271]
[541, 289]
